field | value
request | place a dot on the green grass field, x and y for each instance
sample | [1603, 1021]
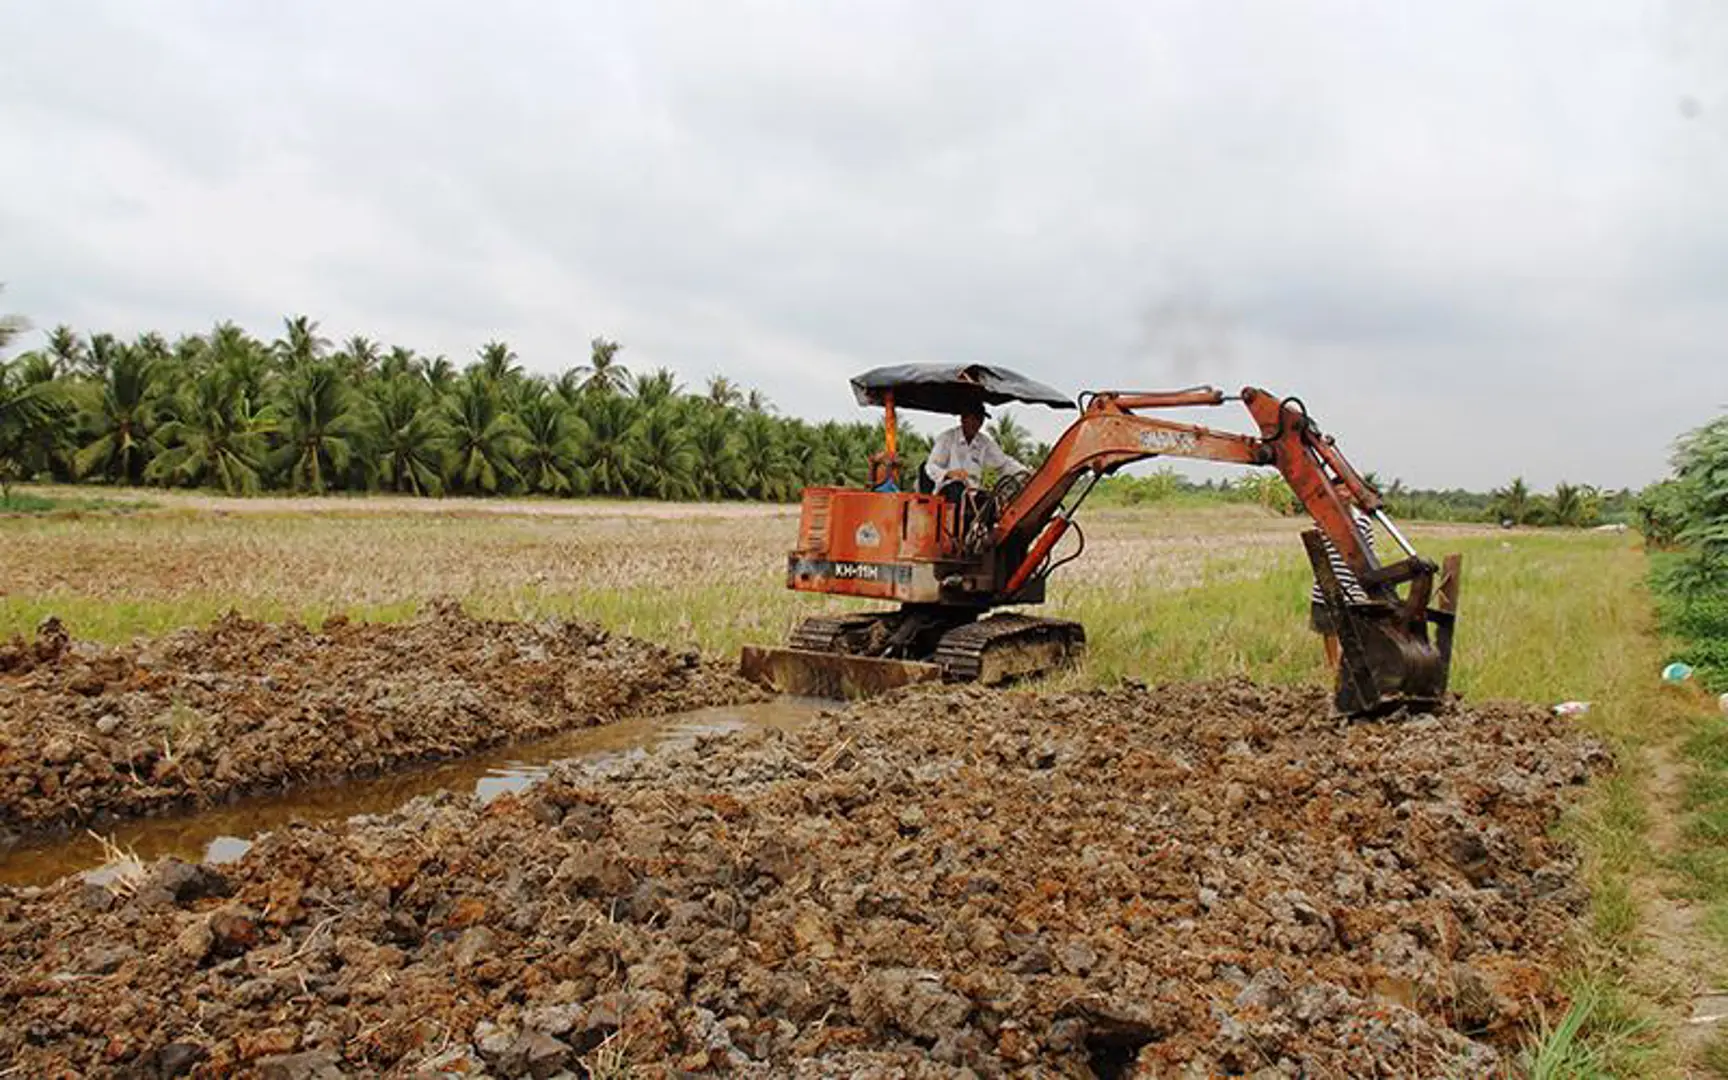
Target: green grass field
[1165, 592]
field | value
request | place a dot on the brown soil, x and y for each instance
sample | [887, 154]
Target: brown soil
[1180, 881]
[90, 733]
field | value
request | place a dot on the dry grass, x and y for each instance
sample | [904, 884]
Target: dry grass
[709, 575]
[1164, 593]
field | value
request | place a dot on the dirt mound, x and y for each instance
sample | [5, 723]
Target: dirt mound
[1181, 881]
[89, 733]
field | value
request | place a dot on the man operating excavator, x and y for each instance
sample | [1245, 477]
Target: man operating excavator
[960, 455]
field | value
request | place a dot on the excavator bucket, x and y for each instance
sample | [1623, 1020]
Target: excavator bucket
[1389, 661]
[808, 673]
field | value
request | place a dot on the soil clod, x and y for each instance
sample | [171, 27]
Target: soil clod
[93, 734]
[978, 882]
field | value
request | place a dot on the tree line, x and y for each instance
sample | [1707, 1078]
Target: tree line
[229, 411]
[299, 413]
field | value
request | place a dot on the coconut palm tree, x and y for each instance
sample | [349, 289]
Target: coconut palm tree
[1574, 505]
[153, 346]
[189, 356]
[322, 422]
[67, 349]
[439, 373]
[724, 392]
[1513, 502]
[407, 435]
[714, 444]
[806, 456]
[569, 386]
[358, 358]
[31, 416]
[603, 373]
[1014, 440]
[397, 362]
[120, 418]
[763, 469]
[35, 366]
[551, 438]
[607, 457]
[213, 434]
[243, 358]
[227, 339]
[498, 363]
[846, 448]
[665, 466]
[484, 438]
[299, 346]
[655, 388]
[104, 349]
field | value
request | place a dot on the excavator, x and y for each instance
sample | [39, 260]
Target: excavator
[947, 564]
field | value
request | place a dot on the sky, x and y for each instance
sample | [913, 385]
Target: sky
[1479, 239]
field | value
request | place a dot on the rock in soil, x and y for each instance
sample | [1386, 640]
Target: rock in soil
[93, 734]
[912, 887]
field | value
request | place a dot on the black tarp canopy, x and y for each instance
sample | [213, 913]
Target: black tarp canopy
[949, 388]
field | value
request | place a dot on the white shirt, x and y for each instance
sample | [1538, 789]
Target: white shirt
[951, 451]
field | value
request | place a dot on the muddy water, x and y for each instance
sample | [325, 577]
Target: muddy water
[224, 833]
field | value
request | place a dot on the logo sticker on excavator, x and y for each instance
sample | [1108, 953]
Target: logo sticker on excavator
[1169, 442]
[867, 536]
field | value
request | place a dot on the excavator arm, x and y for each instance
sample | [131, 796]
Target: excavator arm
[1388, 657]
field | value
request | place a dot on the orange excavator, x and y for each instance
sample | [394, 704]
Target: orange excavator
[947, 564]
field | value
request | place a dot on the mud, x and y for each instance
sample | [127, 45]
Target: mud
[1186, 880]
[224, 833]
[91, 734]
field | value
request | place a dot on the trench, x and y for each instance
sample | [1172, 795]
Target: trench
[224, 833]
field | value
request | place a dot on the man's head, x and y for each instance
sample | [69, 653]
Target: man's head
[971, 420]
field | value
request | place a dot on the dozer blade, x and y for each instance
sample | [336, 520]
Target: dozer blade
[807, 673]
[1388, 661]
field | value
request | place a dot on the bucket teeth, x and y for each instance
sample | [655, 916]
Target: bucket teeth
[1387, 661]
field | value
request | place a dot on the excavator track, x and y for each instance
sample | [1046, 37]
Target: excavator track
[1006, 647]
[839, 633]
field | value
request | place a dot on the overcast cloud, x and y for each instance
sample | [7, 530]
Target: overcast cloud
[1478, 238]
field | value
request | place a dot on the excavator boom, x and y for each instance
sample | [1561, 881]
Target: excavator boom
[1389, 658]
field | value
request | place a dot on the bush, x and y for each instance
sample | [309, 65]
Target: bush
[1141, 490]
[1701, 621]
[1691, 511]
[1701, 466]
[1660, 513]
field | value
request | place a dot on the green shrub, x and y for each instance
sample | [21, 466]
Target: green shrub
[1660, 513]
[1701, 467]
